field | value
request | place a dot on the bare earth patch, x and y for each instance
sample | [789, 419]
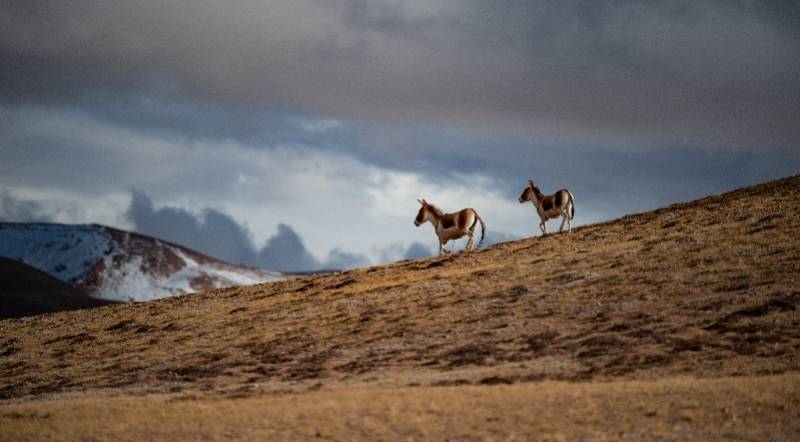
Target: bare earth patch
[693, 305]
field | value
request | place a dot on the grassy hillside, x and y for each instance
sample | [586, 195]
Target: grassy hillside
[702, 290]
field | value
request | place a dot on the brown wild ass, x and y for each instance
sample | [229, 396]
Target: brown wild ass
[450, 225]
[558, 204]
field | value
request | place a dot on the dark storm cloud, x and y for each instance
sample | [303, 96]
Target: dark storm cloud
[218, 235]
[417, 250]
[494, 237]
[286, 252]
[702, 72]
[214, 233]
[607, 181]
[340, 259]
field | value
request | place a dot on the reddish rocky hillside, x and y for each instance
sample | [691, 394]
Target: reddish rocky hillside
[116, 265]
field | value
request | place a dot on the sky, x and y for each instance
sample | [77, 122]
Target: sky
[298, 135]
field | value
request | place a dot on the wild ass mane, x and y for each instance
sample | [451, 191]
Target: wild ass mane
[436, 211]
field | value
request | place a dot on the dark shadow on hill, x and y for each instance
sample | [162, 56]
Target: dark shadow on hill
[26, 291]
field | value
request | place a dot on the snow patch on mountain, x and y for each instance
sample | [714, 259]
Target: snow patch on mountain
[65, 252]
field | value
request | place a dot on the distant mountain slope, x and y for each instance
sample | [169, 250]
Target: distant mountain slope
[116, 265]
[26, 291]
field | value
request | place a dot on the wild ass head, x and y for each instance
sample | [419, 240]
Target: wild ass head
[428, 212]
[422, 215]
[529, 193]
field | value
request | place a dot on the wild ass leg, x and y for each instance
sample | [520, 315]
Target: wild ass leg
[543, 226]
[442, 249]
[469, 242]
[565, 217]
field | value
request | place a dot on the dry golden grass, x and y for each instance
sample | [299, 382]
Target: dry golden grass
[761, 408]
[707, 289]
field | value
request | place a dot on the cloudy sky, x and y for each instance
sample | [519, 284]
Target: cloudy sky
[298, 134]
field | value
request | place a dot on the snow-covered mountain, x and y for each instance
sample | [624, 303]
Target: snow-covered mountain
[113, 264]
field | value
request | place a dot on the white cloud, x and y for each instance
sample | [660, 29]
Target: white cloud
[338, 204]
[317, 125]
[70, 207]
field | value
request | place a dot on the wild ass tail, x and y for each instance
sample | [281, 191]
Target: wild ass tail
[571, 205]
[483, 229]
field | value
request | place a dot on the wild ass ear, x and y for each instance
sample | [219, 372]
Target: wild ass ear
[421, 201]
[530, 183]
